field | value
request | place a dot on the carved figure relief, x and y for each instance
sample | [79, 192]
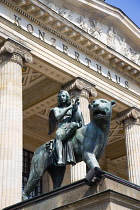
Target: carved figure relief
[82, 23]
[66, 13]
[95, 30]
[138, 59]
[111, 38]
[134, 55]
[52, 6]
[100, 32]
[124, 48]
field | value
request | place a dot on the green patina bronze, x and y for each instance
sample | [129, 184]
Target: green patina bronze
[67, 117]
[74, 141]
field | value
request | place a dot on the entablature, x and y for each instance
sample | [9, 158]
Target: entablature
[49, 20]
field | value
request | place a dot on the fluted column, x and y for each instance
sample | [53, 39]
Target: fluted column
[12, 56]
[131, 121]
[83, 89]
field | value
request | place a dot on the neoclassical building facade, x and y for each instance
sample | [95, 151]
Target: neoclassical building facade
[86, 47]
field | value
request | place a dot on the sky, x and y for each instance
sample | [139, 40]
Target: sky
[130, 7]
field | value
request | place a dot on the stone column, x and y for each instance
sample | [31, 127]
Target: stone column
[84, 90]
[131, 121]
[12, 56]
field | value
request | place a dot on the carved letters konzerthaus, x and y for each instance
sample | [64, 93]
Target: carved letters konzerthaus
[70, 51]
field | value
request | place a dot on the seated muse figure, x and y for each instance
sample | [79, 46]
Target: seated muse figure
[64, 116]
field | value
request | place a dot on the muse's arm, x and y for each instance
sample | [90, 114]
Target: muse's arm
[61, 112]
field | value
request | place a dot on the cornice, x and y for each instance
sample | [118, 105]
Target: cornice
[65, 56]
[99, 5]
[80, 65]
[118, 12]
[103, 54]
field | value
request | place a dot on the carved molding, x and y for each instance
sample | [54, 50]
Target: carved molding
[67, 15]
[80, 85]
[11, 57]
[97, 30]
[11, 50]
[129, 116]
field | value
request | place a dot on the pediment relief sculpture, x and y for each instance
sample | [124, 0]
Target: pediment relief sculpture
[82, 22]
[66, 13]
[95, 29]
[102, 32]
[111, 36]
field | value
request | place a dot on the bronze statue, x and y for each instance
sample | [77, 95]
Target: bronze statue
[67, 124]
[88, 143]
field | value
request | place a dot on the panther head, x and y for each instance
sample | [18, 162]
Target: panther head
[101, 108]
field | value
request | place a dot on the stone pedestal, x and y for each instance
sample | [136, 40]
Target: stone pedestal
[83, 89]
[111, 193]
[131, 121]
[11, 61]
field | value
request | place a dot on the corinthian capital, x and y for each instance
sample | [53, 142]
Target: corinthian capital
[82, 86]
[128, 116]
[11, 50]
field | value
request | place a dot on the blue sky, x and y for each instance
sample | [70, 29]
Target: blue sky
[130, 7]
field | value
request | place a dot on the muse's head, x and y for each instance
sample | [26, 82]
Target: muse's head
[101, 108]
[63, 97]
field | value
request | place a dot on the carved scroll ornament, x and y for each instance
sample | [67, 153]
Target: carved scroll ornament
[128, 116]
[14, 51]
[81, 85]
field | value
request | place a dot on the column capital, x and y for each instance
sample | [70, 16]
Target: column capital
[11, 50]
[80, 85]
[129, 116]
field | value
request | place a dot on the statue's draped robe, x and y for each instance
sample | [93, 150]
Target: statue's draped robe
[67, 152]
